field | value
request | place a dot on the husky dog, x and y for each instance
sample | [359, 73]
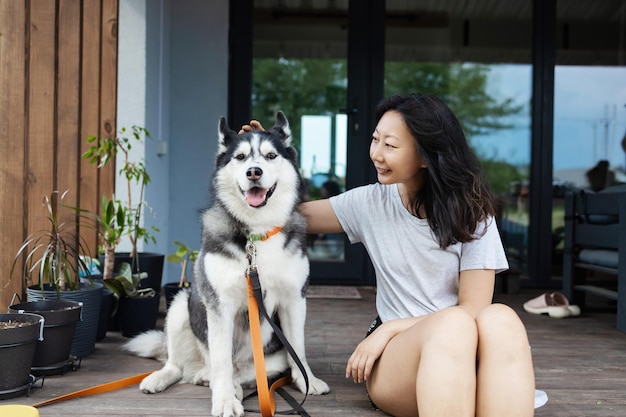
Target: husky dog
[256, 188]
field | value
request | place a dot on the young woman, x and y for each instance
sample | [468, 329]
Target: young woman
[439, 346]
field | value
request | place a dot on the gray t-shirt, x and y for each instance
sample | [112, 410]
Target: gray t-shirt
[414, 275]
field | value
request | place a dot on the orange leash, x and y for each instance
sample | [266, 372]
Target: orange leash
[267, 405]
[98, 389]
[255, 308]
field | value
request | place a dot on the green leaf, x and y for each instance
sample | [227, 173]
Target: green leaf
[174, 258]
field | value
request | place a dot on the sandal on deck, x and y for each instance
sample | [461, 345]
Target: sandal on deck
[554, 304]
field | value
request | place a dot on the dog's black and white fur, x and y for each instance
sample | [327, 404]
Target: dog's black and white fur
[256, 187]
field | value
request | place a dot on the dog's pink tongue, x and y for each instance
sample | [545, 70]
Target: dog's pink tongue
[255, 196]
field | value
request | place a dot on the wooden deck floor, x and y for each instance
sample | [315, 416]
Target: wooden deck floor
[580, 362]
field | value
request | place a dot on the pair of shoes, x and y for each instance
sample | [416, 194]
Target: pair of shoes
[554, 304]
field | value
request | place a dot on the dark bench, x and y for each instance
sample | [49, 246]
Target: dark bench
[595, 240]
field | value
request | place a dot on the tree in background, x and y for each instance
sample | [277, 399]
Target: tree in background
[299, 87]
[315, 86]
[462, 86]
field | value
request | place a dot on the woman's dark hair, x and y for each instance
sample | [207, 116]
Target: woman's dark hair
[455, 196]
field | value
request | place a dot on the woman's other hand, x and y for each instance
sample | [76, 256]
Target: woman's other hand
[365, 355]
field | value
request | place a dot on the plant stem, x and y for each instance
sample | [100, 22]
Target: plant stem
[109, 261]
[183, 275]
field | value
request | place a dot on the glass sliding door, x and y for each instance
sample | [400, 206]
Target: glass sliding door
[324, 63]
[476, 57]
[306, 78]
[300, 66]
[589, 100]
[311, 92]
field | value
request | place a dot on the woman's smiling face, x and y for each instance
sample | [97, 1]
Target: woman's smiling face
[394, 152]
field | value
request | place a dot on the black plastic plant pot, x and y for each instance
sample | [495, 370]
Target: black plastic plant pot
[171, 289]
[136, 315]
[151, 263]
[17, 349]
[106, 310]
[84, 342]
[60, 317]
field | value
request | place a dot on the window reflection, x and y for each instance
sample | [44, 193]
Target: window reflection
[457, 51]
[589, 99]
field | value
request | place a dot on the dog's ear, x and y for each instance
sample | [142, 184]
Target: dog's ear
[225, 134]
[282, 129]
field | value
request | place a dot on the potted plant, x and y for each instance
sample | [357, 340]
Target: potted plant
[123, 218]
[182, 256]
[18, 336]
[51, 264]
[137, 307]
[52, 354]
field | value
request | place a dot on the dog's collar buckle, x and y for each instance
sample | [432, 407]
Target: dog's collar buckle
[251, 248]
[264, 236]
[251, 254]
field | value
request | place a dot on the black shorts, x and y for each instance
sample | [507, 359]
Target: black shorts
[377, 322]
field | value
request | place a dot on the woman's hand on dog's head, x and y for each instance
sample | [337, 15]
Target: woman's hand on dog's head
[254, 125]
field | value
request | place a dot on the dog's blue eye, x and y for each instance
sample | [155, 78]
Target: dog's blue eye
[271, 155]
[240, 157]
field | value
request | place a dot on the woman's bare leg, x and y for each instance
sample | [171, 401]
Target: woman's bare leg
[430, 367]
[505, 380]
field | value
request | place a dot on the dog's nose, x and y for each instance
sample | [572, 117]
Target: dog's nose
[254, 173]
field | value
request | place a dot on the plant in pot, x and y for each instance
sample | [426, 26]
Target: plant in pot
[18, 340]
[123, 218]
[52, 354]
[51, 262]
[110, 227]
[183, 256]
[119, 219]
[137, 308]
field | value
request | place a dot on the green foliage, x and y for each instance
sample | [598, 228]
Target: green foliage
[126, 284]
[182, 256]
[111, 225]
[53, 255]
[316, 86]
[300, 87]
[500, 175]
[461, 86]
[117, 218]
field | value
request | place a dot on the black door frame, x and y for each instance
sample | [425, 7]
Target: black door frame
[542, 146]
[366, 40]
[365, 88]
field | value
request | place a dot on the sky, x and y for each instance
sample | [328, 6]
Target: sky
[316, 134]
[589, 122]
[589, 116]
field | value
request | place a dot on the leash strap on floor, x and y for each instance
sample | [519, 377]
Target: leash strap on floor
[98, 389]
[276, 386]
[266, 398]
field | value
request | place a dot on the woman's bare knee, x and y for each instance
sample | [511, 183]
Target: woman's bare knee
[504, 364]
[453, 324]
[501, 322]
[502, 335]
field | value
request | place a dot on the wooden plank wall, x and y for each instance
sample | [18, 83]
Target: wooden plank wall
[58, 84]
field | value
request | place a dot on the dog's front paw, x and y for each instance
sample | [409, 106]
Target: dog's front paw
[158, 381]
[227, 408]
[316, 385]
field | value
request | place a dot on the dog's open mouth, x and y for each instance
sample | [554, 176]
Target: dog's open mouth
[257, 196]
